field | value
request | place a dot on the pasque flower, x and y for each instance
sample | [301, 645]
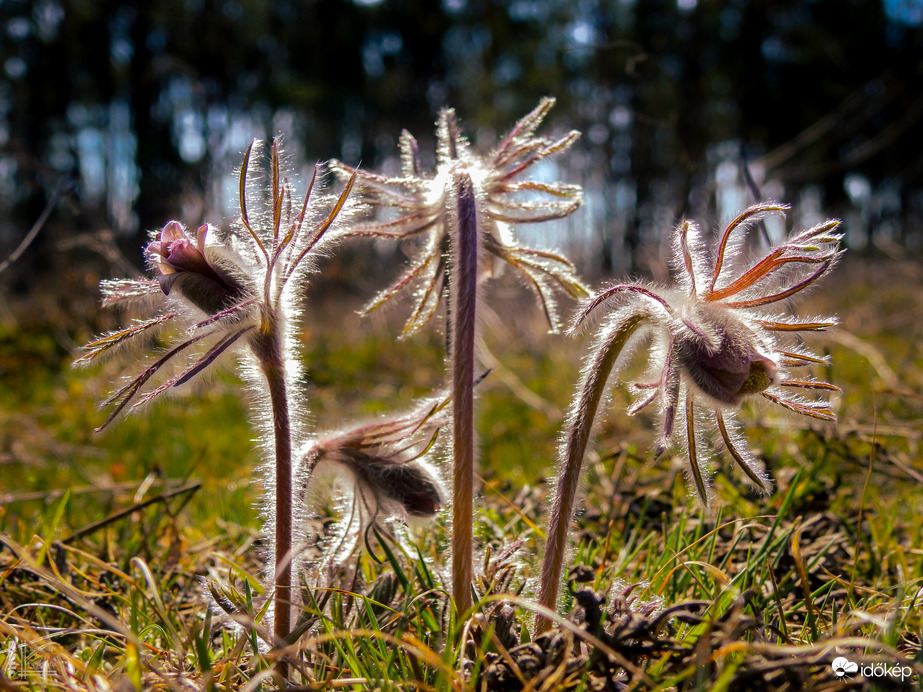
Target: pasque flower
[382, 471]
[714, 341]
[216, 287]
[182, 262]
[245, 287]
[463, 213]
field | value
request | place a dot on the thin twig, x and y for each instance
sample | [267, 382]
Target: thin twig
[55, 493]
[36, 227]
[122, 513]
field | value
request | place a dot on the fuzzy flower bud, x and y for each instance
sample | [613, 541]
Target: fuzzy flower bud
[381, 470]
[732, 370]
[249, 283]
[182, 264]
[411, 487]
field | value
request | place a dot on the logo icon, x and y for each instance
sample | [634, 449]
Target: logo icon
[843, 666]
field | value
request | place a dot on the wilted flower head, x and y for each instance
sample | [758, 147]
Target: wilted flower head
[714, 344]
[423, 207]
[218, 287]
[381, 470]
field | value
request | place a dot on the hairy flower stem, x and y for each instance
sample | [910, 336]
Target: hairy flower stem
[582, 416]
[268, 350]
[462, 300]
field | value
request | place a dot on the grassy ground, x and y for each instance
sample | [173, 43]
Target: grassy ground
[108, 543]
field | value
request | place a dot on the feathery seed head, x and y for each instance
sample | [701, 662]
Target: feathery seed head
[715, 346]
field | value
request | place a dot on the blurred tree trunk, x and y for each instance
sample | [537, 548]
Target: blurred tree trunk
[157, 158]
[691, 97]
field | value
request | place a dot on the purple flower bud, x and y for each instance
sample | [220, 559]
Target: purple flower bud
[410, 485]
[184, 267]
[729, 372]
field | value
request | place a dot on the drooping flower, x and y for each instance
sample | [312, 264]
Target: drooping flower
[381, 470]
[420, 206]
[713, 344]
[182, 263]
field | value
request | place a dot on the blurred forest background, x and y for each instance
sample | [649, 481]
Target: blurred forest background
[138, 112]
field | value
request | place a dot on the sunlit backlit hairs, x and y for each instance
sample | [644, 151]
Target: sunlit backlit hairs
[420, 207]
[712, 344]
[463, 215]
[220, 290]
[382, 473]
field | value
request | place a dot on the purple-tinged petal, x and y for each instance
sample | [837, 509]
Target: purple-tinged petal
[200, 235]
[184, 267]
[729, 372]
[173, 230]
